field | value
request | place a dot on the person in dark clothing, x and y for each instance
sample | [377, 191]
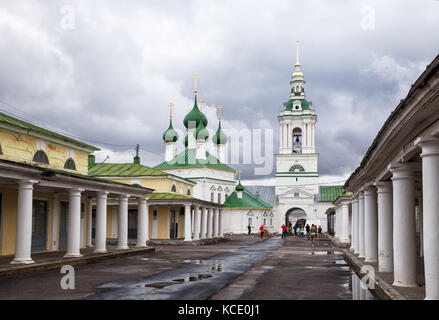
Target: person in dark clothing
[307, 230]
[249, 230]
[320, 231]
[295, 230]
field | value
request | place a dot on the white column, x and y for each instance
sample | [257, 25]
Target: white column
[192, 222]
[404, 232]
[74, 224]
[142, 224]
[55, 220]
[281, 134]
[385, 226]
[187, 223]
[89, 221]
[209, 223]
[344, 225]
[101, 223]
[430, 212]
[361, 240]
[371, 224]
[220, 223]
[203, 223]
[284, 135]
[197, 223]
[122, 228]
[353, 223]
[215, 223]
[23, 241]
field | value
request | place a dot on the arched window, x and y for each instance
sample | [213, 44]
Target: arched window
[297, 167]
[40, 156]
[188, 192]
[297, 140]
[70, 164]
[174, 188]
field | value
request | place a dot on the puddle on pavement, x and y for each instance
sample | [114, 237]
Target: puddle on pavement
[164, 284]
[268, 267]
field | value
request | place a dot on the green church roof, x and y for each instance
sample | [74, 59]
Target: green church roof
[187, 158]
[201, 132]
[170, 135]
[305, 104]
[330, 193]
[248, 201]
[195, 115]
[219, 137]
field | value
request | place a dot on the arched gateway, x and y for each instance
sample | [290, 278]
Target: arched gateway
[295, 216]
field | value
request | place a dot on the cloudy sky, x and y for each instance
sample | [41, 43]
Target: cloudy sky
[105, 71]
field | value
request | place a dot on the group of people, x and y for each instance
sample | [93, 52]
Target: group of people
[312, 231]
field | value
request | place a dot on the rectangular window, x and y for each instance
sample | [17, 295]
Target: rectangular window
[296, 195]
[271, 221]
[212, 197]
[250, 222]
[219, 198]
[155, 214]
[265, 221]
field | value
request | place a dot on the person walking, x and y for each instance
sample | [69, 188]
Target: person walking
[249, 230]
[320, 231]
[298, 232]
[284, 231]
[307, 228]
[261, 229]
[295, 229]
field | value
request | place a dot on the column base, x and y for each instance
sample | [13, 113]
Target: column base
[399, 284]
[370, 260]
[22, 261]
[188, 240]
[72, 255]
[141, 245]
[122, 248]
[100, 251]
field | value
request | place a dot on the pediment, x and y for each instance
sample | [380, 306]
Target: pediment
[302, 193]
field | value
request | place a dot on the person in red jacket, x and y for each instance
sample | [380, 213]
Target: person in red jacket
[284, 231]
[261, 229]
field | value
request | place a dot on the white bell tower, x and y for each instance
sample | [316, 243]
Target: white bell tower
[297, 159]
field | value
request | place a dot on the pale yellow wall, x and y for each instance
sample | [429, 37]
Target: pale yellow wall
[162, 222]
[21, 148]
[9, 219]
[180, 224]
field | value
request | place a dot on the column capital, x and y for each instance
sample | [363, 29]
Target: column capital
[26, 183]
[429, 145]
[124, 196]
[384, 186]
[403, 170]
[369, 191]
[102, 194]
[75, 191]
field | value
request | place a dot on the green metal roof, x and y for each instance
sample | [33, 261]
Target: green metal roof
[167, 196]
[187, 158]
[73, 174]
[30, 127]
[305, 104]
[123, 170]
[248, 201]
[330, 193]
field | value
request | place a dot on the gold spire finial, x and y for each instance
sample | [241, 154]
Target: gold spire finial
[219, 111]
[201, 105]
[297, 54]
[170, 109]
[239, 174]
[195, 83]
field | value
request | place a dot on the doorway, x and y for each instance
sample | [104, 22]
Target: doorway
[63, 216]
[132, 224]
[173, 224]
[39, 225]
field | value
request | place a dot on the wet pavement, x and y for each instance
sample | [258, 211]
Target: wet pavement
[194, 280]
[242, 268]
